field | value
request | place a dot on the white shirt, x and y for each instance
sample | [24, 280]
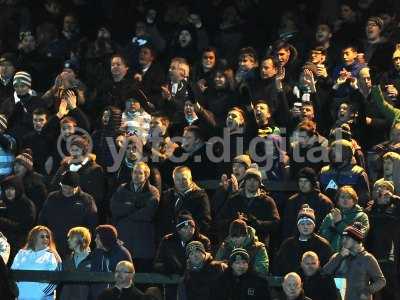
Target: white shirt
[42, 260]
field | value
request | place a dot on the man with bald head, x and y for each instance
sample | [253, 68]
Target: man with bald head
[293, 287]
[124, 288]
[316, 285]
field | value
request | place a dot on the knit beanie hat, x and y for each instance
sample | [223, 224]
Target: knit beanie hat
[238, 228]
[70, 178]
[72, 64]
[309, 174]
[195, 246]
[25, 159]
[22, 78]
[184, 219]
[243, 159]
[377, 21]
[108, 235]
[306, 213]
[239, 254]
[3, 122]
[356, 231]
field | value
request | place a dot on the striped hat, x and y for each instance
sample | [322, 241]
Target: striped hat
[3, 122]
[239, 254]
[356, 231]
[22, 78]
[195, 246]
[25, 159]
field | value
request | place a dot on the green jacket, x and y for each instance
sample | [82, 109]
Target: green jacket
[388, 110]
[259, 261]
[333, 232]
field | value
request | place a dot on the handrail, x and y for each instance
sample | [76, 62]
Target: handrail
[273, 186]
[103, 277]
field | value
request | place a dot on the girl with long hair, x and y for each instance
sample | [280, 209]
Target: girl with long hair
[39, 254]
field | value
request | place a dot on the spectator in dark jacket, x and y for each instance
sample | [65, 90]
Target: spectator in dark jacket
[254, 205]
[108, 253]
[34, 186]
[7, 70]
[289, 255]
[19, 108]
[316, 285]
[38, 140]
[237, 283]
[310, 194]
[17, 212]
[185, 196]
[91, 176]
[171, 255]
[133, 207]
[66, 208]
[341, 171]
[383, 238]
[8, 288]
[201, 274]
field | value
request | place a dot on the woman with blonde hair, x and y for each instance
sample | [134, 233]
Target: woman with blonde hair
[39, 254]
[347, 212]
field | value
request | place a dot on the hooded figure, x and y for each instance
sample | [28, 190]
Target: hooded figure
[243, 236]
[17, 212]
[309, 193]
[342, 172]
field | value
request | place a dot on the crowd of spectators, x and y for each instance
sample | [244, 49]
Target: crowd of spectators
[166, 137]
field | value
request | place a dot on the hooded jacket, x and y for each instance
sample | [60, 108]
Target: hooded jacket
[259, 261]
[17, 216]
[334, 232]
